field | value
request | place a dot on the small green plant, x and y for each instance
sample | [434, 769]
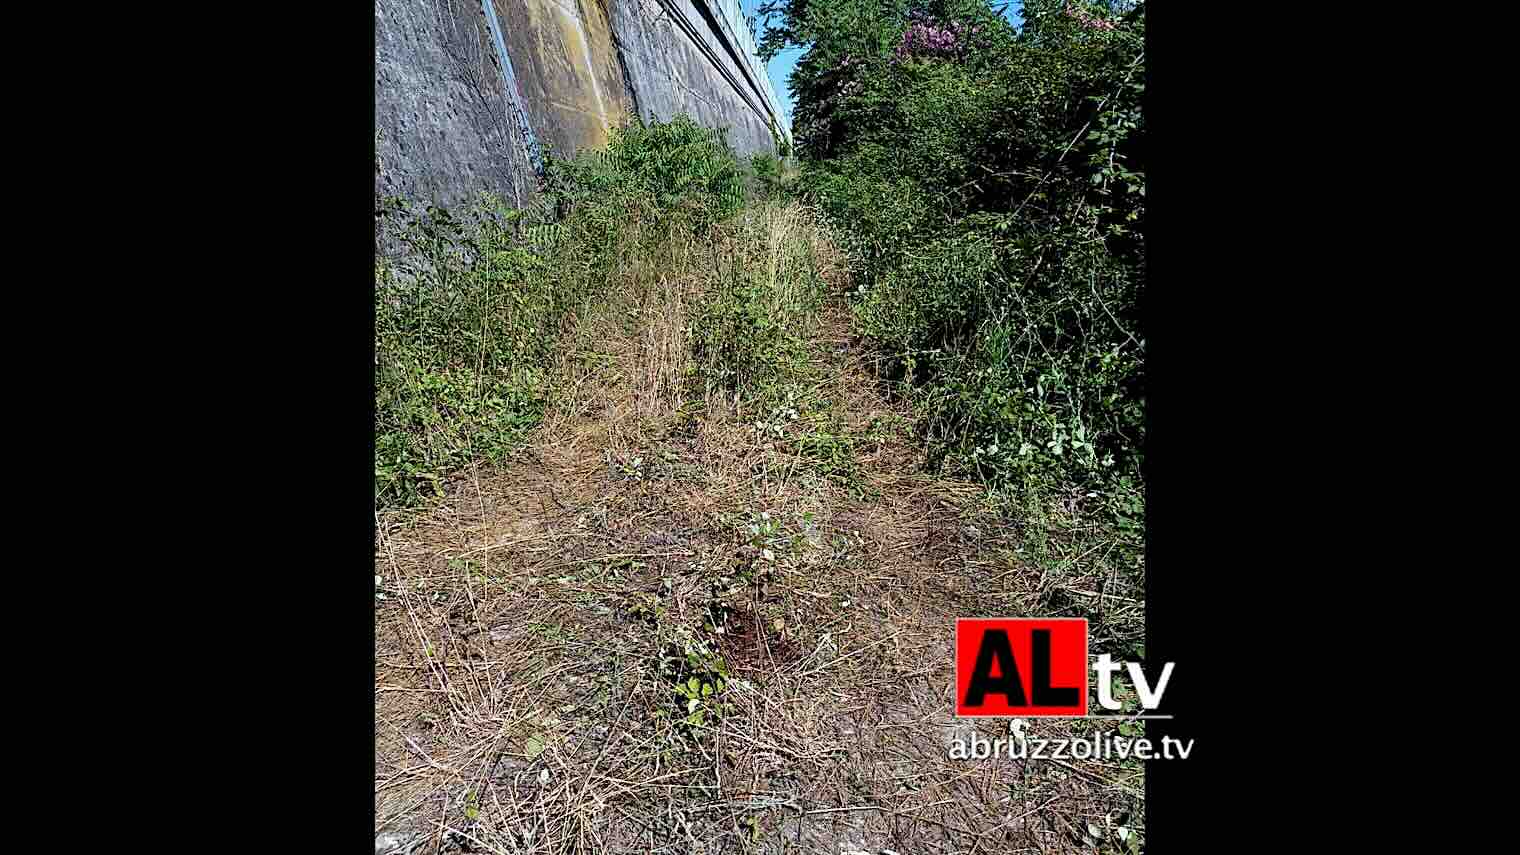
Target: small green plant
[763, 550]
[764, 532]
[632, 467]
[471, 805]
[698, 677]
[648, 608]
[828, 446]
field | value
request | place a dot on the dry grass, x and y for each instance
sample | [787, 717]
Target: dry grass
[521, 705]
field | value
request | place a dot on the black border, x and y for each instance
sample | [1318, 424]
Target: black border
[288, 240]
[271, 630]
[1240, 448]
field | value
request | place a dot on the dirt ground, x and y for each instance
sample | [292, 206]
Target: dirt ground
[667, 627]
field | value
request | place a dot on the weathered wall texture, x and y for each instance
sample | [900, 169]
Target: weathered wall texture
[468, 93]
[679, 60]
[567, 69]
[445, 125]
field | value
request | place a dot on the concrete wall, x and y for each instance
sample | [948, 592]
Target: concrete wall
[682, 56]
[468, 93]
[445, 122]
[568, 70]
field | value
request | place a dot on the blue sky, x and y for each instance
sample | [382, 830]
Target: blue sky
[781, 66]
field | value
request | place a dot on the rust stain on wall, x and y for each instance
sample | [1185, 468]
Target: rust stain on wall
[467, 94]
[566, 57]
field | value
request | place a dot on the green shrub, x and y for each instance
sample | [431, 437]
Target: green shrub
[748, 334]
[767, 171]
[675, 169]
[460, 327]
[467, 319]
[989, 187]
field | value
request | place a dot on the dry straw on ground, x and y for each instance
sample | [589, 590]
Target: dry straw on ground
[521, 706]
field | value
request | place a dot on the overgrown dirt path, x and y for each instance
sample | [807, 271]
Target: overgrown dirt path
[672, 626]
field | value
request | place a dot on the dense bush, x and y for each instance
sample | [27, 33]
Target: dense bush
[467, 319]
[674, 170]
[761, 297]
[989, 185]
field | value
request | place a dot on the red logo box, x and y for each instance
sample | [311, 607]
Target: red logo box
[1025, 667]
